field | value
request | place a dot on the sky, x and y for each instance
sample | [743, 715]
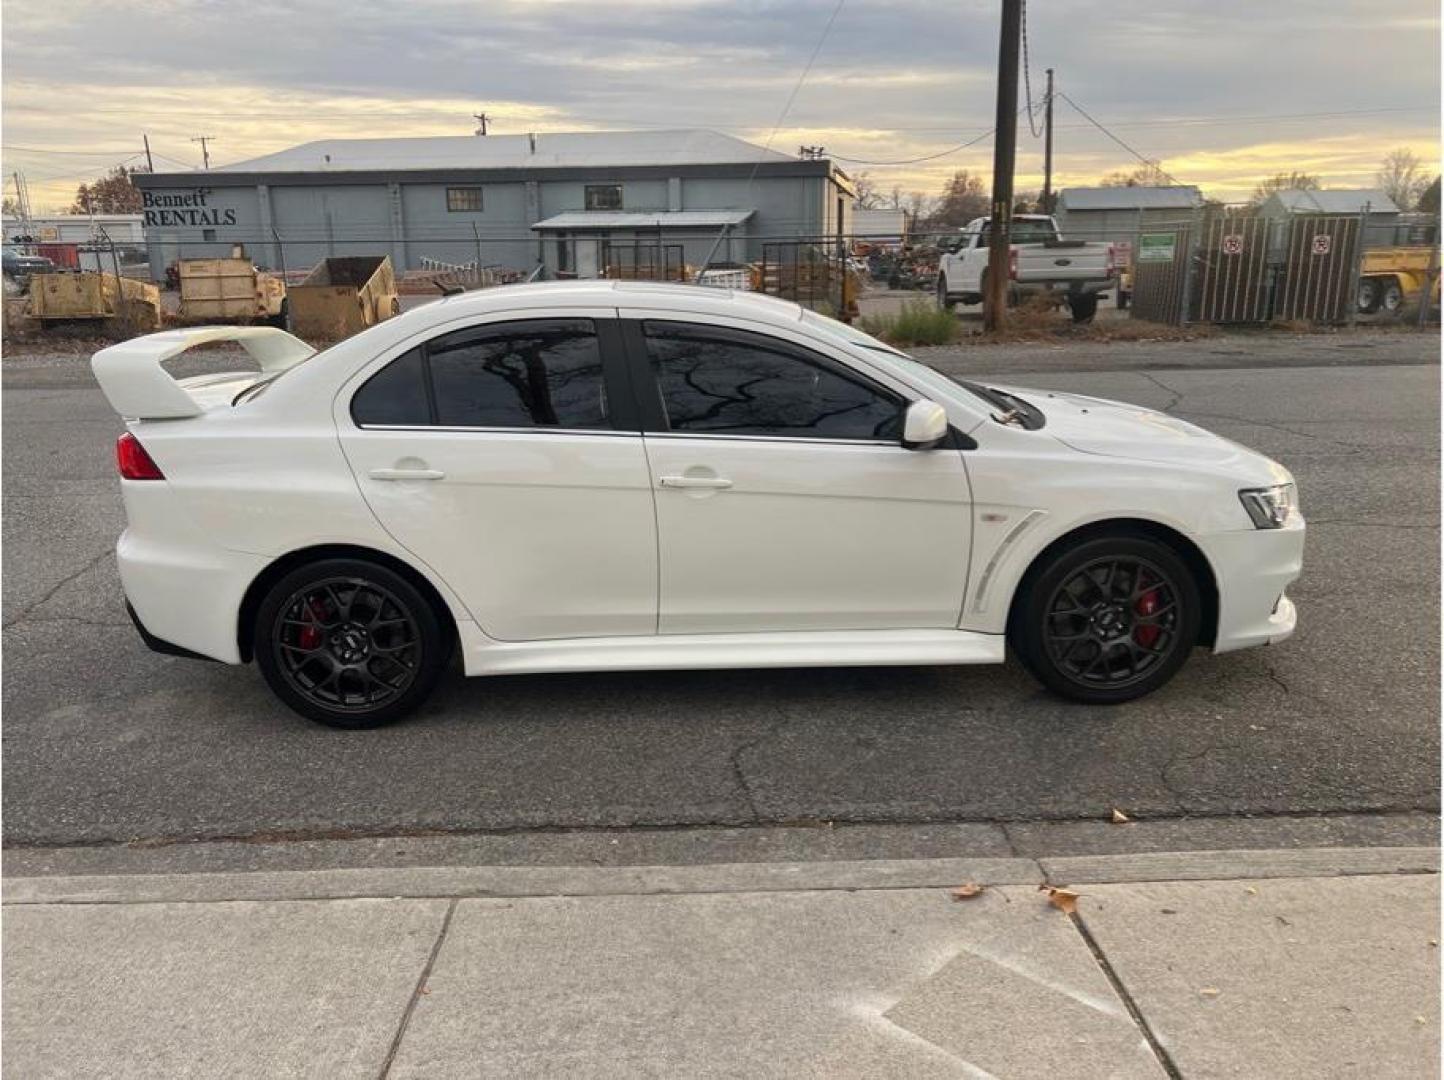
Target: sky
[1223, 92]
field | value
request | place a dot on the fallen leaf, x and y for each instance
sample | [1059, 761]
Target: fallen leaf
[1065, 900]
[1209, 991]
[1251, 891]
[966, 892]
[1420, 1020]
[1434, 942]
[1119, 817]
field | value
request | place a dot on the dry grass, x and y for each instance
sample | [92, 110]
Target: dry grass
[919, 323]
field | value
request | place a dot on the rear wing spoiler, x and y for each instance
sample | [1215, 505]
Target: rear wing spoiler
[137, 387]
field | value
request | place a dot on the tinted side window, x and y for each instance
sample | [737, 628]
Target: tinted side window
[734, 383]
[394, 395]
[530, 373]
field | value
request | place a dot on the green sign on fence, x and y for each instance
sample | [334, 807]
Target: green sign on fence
[1156, 247]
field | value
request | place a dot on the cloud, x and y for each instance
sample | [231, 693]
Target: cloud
[1218, 92]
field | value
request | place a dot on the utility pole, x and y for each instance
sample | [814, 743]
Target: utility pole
[1005, 144]
[1048, 147]
[204, 140]
[480, 118]
[149, 164]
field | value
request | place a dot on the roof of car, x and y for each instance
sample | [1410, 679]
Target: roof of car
[641, 294]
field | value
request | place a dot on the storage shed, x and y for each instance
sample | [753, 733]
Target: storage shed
[1117, 215]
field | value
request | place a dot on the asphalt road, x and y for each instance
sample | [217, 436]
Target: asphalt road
[104, 741]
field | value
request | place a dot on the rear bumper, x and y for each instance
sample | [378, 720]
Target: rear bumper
[185, 597]
[155, 644]
[1253, 569]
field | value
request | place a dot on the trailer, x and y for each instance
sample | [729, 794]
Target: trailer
[229, 290]
[87, 296]
[1389, 278]
[343, 296]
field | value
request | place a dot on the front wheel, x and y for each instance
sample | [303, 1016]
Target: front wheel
[1368, 296]
[943, 301]
[1107, 621]
[1393, 297]
[349, 643]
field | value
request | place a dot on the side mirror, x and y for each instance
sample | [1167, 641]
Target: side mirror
[925, 424]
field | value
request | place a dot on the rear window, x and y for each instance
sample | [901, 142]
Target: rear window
[395, 395]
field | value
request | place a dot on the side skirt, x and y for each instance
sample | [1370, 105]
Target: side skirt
[670, 652]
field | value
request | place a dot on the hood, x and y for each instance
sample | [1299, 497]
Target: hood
[1116, 429]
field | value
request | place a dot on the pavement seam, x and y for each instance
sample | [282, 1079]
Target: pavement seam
[417, 991]
[1165, 1060]
[50, 593]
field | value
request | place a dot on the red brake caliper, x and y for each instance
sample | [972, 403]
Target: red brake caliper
[310, 635]
[1147, 634]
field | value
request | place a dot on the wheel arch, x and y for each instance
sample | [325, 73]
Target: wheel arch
[1192, 556]
[274, 571]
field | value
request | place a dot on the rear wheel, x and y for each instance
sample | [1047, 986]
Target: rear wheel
[1107, 621]
[1083, 306]
[1392, 298]
[349, 643]
[1369, 295]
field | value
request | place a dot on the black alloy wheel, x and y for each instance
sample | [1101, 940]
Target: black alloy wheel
[1109, 621]
[349, 644]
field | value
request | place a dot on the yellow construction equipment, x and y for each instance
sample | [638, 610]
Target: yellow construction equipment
[1390, 278]
[229, 290]
[87, 295]
[343, 296]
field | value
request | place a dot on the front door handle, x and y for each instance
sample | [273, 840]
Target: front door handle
[695, 482]
[407, 474]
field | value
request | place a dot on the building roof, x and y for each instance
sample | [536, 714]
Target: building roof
[1179, 197]
[545, 150]
[652, 219]
[1338, 201]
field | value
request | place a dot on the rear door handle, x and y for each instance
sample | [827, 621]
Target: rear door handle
[407, 474]
[695, 482]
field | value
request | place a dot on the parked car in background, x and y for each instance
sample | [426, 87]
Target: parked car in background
[603, 475]
[1040, 261]
[19, 268]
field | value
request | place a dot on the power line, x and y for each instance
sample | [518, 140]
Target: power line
[1027, 75]
[1146, 160]
[806, 71]
[925, 157]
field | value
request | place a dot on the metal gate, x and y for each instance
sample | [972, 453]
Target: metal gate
[808, 273]
[643, 260]
[1160, 275]
[1319, 263]
[1231, 270]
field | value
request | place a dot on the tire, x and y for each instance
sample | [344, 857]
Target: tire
[349, 643]
[1061, 625]
[1392, 296]
[1370, 295]
[1083, 306]
[282, 316]
[1121, 301]
[944, 301]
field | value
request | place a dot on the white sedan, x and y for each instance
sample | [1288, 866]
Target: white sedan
[594, 476]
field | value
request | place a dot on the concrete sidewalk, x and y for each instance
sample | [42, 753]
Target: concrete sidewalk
[1317, 962]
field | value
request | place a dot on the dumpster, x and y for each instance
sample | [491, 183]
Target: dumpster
[343, 296]
[86, 295]
[229, 290]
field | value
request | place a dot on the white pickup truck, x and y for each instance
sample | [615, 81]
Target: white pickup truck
[1041, 261]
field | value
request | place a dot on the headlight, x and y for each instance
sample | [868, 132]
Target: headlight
[1270, 507]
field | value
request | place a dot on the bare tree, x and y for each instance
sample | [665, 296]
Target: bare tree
[1149, 174]
[1289, 181]
[1402, 177]
[963, 199]
[869, 196]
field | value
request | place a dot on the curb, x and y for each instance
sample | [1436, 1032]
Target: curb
[521, 882]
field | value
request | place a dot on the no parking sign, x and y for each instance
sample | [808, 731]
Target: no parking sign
[1233, 244]
[1321, 244]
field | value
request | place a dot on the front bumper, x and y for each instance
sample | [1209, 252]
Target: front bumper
[1253, 570]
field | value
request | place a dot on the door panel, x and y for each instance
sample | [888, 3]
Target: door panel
[542, 530]
[784, 500]
[808, 535]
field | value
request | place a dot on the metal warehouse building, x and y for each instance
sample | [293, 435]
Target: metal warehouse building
[578, 202]
[1118, 214]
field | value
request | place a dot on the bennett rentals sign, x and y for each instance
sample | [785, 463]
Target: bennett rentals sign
[184, 208]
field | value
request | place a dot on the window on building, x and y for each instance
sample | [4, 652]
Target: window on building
[604, 197]
[529, 373]
[208, 234]
[730, 382]
[463, 198]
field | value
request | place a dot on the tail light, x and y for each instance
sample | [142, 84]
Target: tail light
[132, 460]
[1013, 264]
